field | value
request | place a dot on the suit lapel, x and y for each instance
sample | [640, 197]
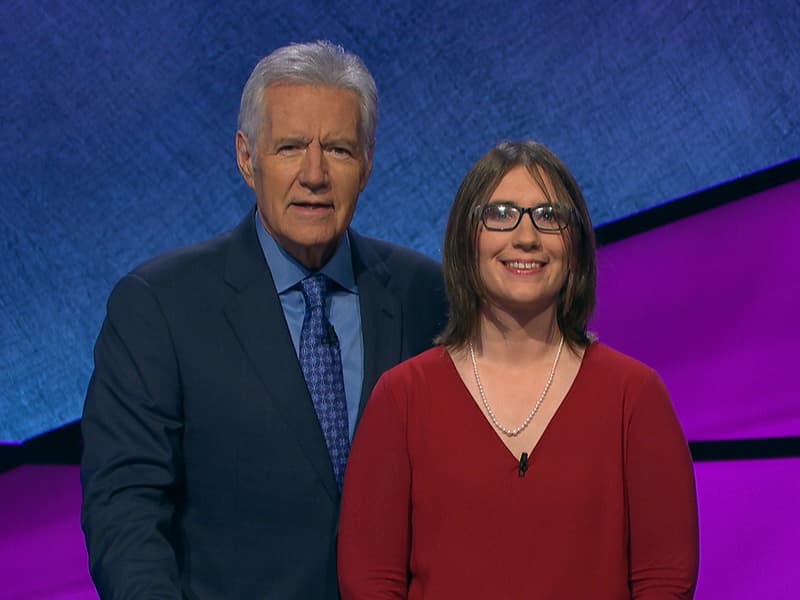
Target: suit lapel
[381, 315]
[256, 316]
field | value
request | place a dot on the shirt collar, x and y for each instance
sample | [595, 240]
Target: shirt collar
[287, 272]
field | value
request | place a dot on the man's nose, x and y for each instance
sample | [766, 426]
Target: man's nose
[314, 171]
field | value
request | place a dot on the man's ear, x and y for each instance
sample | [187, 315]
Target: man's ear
[244, 158]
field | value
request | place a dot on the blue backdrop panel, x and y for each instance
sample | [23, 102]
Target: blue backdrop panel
[118, 121]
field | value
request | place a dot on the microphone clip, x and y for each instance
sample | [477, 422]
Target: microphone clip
[523, 465]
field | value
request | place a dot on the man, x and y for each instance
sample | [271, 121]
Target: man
[229, 375]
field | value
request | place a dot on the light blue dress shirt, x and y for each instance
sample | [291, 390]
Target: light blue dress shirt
[342, 310]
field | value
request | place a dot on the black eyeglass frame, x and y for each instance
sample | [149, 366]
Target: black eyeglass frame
[567, 212]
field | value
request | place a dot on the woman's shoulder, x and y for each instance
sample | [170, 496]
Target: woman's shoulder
[613, 366]
[411, 384]
[603, 356]
[432, 363]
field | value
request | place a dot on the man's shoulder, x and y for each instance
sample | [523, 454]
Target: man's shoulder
[195, 260]
[396, 259]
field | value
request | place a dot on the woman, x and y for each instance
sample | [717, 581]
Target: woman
[520, 458]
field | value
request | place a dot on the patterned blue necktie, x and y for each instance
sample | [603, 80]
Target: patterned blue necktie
[321, 361]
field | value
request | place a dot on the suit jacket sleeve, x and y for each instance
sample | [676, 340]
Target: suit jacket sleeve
[130, 468]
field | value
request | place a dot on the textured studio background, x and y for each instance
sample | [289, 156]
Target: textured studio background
[118, 121]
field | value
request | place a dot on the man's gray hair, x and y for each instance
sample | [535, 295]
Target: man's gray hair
[313, 63]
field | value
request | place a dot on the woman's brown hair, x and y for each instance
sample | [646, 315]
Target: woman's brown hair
[465, 292]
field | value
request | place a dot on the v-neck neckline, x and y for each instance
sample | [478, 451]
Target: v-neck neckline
[490, 428]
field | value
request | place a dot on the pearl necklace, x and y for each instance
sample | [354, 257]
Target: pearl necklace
[529, 418]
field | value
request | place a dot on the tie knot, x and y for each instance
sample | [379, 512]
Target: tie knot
[315, 288]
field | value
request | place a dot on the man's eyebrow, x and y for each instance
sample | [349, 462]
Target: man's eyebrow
[289, 139]
[340, 141]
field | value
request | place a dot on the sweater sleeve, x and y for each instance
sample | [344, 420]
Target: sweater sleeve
[660, 493]
[374, 527]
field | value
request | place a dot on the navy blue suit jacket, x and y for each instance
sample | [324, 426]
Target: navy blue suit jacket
[205, 473]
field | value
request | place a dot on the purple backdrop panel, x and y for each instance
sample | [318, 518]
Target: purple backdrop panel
[42, 554]
[712, 303]
[749, 527]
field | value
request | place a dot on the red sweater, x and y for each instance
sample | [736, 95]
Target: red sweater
[434, 507]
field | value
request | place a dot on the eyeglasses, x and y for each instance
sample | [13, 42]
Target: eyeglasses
[505, 216]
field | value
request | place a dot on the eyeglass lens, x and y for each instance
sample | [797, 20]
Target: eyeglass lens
[505, 216]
